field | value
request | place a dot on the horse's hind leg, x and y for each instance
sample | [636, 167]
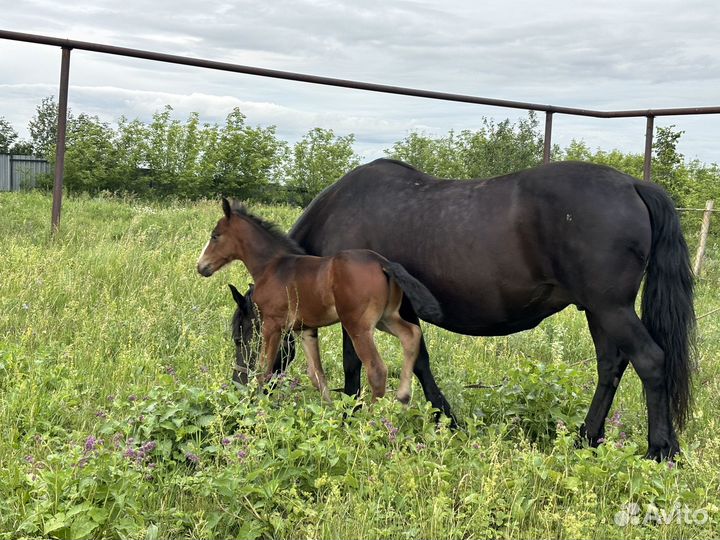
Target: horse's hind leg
[364, 344]
[624, 328]
[409, 336]
[611, 364]
[423, 372]
[352, 366]
[314, 366]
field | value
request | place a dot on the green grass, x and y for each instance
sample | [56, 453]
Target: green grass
[108, 332]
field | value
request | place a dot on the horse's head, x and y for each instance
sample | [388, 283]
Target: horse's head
[245, 328]
[246, 335]
[222, 246]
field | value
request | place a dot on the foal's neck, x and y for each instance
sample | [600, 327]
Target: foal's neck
[258, 248]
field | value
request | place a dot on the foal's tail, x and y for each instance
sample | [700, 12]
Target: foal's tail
[423, 302]
[667, 301]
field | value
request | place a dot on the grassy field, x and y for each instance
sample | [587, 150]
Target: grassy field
[117, 419]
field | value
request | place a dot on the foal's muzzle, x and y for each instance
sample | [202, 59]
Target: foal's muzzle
[205, 270]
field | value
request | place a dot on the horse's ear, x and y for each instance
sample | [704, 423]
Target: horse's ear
[238, 297]
[251, 289]
[226, 207]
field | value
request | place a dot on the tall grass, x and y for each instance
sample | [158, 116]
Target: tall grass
[108, 334]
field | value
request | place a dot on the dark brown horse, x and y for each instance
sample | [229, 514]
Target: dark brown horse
[501, 255]
[301, 293]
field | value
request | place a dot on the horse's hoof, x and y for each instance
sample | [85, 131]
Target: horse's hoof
[666, 452]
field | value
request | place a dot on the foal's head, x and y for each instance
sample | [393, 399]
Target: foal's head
[223, 246]
[245, 236]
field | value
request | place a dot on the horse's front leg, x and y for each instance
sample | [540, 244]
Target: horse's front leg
[271, 335]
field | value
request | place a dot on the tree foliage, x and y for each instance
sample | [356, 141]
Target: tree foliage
[168, 156]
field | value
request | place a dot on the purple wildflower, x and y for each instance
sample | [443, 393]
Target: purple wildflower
[192, 458]
[225, 441]
[101, 414]
[476, 446]
[240, 437]
[671, 464]
[132, 397]
[616, 419]
[170, 370]
[83, 461]
[242, 454]
[294, 383]
[420, 446]
[130, 453]
[29, 459]
[91, 443]
[111, 398]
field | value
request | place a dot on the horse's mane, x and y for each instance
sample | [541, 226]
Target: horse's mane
[269, 227]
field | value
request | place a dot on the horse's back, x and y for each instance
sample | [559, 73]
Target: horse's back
[500, 254]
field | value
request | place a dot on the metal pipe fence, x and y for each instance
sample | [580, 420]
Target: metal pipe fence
[68, 44]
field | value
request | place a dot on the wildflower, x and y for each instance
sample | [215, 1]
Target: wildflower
[101, 414]
[560, 427]
[29, 459]
[242, 454]
[170, 371]
[111, 398]
[616, 419]
[26, 306]
[476, 446]
[294, 383]
[671, 464]
[225, 441]
[130, 453]
[91, 443]
[192, 458]
[420, 446]
[132, 397]
[83, 461]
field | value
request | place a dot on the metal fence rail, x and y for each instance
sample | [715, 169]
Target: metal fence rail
[67, 45]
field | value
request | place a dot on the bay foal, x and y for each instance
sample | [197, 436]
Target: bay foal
[301, 293]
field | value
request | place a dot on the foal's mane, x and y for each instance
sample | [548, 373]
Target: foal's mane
[270, 228]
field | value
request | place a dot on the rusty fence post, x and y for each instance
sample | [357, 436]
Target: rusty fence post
[60, 146]
[704, 230]
[647, 167]
[547, 147]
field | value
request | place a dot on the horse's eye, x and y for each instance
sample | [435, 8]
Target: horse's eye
[214, 237]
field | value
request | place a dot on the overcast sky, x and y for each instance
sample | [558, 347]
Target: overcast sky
[600, 55]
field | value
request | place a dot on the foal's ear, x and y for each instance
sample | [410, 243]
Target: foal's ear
[239, 298]
[226, 207]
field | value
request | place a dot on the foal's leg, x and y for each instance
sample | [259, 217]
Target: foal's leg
[423, 372]
[611, 364]
[271, 335]
[409, 336]
[362, 340]
[314, 367]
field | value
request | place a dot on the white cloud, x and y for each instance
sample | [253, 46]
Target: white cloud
[610, 55]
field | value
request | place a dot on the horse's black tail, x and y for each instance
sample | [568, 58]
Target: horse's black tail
[667, 301]
[423, 302]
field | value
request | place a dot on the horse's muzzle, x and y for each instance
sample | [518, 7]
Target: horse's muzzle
[205, 270]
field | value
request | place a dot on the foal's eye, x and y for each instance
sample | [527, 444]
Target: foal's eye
[214, 237]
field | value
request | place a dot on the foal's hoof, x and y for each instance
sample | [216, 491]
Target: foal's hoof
[403, 398]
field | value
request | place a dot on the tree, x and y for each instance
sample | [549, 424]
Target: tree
[245, 161]
[492, 150]
[318, 159]
[8, 136]
[43, 128]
